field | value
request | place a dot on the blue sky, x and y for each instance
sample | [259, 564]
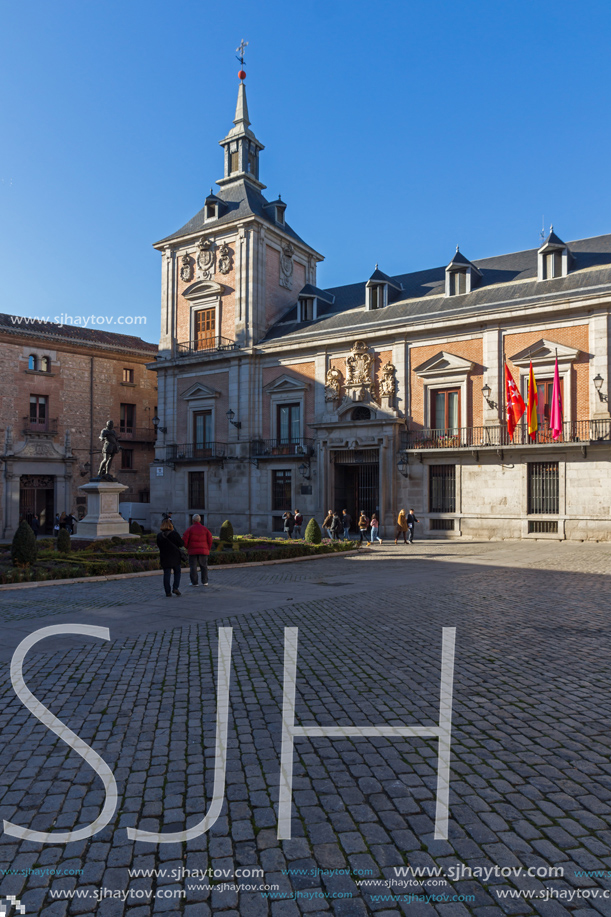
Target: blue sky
[394, 131]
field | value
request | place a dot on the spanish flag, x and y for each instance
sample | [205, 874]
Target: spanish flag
[531, 408]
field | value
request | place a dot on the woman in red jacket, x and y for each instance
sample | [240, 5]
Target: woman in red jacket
[198, 541]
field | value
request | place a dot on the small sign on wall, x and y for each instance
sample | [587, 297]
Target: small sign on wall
[306, 490]
[160, 472]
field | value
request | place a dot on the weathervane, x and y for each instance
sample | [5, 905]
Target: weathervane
[240, 51]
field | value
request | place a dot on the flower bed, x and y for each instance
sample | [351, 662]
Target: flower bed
[108, 558]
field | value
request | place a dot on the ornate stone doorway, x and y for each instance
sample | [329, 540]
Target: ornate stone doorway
[36, 497]
[357, 482]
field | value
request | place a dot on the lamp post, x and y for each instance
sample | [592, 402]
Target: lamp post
[403, 465]
[230, 415]
[156, 422]
[598, 382]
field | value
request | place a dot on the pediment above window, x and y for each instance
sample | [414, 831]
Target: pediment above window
[444, 364]
[544, 352]
[199, 391]
[284, 384]
[202, 288]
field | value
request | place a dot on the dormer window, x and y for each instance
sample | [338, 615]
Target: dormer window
[234, 162]
[376, 296]
[554, 258]
[381, 289]
[462, 276]
[307, 309]
[458, 283]
[280, 215]
[211, 211]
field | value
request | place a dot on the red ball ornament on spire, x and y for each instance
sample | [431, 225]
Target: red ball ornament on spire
[242, 75]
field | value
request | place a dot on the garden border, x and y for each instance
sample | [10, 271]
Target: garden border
[213, 567]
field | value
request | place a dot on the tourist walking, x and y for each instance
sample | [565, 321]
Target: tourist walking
[346, 522]
[35, 525]
[411, 524]
[336, 527]
[375, 530]
[326, 526]
[56, 525]
[298, 524]
[363, 527]
[198, 541]
[401, 526]
[289, 523]
[169, 543]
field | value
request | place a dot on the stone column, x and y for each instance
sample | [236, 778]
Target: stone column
[492, 356]
[599, 364]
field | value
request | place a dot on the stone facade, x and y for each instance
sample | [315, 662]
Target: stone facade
[381, 395]
[50, 446]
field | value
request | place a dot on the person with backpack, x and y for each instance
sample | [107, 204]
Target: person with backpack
[363, 527]
[411, 524]
[198, 541]
[336, 527]
[289, 523]
[169, 543]
[298, 524]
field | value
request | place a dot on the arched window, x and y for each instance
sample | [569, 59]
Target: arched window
[45, 365]
[33, 361]
[361, 414]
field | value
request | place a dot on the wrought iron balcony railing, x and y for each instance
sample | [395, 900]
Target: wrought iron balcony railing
[137, 434]
[34, 425]
[573, 431]
[193, 452]
[214, 344]
[273, 448]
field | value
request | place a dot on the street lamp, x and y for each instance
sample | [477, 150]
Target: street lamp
[403, 465]
[304, 471]
[156, 422]
[230, 415]
[486, 392]
[598, 382]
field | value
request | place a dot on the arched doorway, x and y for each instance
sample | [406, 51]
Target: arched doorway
[36, 497]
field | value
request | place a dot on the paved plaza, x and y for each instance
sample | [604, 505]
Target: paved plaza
[530, 770]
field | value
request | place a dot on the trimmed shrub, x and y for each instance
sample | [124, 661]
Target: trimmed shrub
[312, 532]
[226, 535]
[135, 528]
[24, 548]
[63, 541]
[116, 539]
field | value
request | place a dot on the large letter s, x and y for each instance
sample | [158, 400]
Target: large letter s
[66, 735]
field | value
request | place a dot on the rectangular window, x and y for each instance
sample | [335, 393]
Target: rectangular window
[127, 458]
[445, 410]
[38, 411]
[545, 391]
[442, 489]
[127, 418]
[458, 283]
[375, 297]
[202, 431]
[281, 490]
[306, 309]
[289, 423]
[234, 162]
[210, 211]
[205, 328]
[553, 265]
[543, 488]
[128, 375]
[197, 493]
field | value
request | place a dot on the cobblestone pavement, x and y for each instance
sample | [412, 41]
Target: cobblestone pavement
[530, 780]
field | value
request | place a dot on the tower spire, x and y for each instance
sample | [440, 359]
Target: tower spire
[241, 146]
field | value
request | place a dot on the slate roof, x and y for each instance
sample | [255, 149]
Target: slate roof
[242, 200]
[507, 281]
[108, 340]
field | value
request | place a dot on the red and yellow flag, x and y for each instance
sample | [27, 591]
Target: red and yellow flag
[531, 409]
[515, 402]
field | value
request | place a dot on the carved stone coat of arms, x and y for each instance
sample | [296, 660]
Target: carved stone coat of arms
[286, 266]
[205, 258]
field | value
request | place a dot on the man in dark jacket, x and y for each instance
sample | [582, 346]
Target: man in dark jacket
[289, 523]
[411, 522]
[346, 522]
[35, 525]
[198, 541]
[169, 543]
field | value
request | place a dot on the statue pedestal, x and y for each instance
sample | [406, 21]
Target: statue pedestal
[103, 519]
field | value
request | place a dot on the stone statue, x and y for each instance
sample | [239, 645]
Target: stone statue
[333, 384]
[388, 385]
[110, 447]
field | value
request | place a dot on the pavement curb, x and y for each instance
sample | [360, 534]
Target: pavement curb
[106, 579]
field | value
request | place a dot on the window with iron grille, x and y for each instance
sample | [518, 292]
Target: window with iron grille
[196, 490]
[442, 488]
[442, 525]
[281, 490]
[543, 488]
[543, 526]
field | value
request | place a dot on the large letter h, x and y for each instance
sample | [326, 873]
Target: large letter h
[290, 732]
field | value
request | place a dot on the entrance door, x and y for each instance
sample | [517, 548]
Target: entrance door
[357, 489]
[36, 496]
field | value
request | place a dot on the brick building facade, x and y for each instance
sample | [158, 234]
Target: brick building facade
[59, 387]
[383, 394]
